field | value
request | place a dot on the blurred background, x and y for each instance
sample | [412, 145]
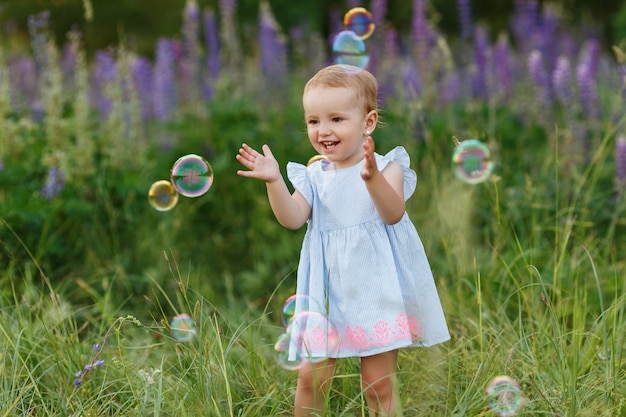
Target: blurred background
[140, 23]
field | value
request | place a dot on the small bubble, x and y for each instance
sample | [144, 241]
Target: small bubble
[471, 161]
[162, 195]
[504, 396]
[359, 20]
[183, 328]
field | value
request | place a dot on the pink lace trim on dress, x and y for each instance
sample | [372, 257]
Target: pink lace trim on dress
[384, 333]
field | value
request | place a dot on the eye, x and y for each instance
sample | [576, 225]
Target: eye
[337, 119]
[311, 122]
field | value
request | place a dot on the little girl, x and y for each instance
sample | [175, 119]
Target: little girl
[362, 263]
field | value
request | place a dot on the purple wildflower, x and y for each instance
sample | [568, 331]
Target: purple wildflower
[211, 38]
[620, 162]
[502, 67]
[544, 38]
[37, 28]
[539, 76]
[379, 11]
[481, 57]
[421, 37]
[464, 8]
[524, 22]
[141, 75]
[273, 48]
[53, 185]
[104, 74]
[562, 81]
[23, 76]
[587, 91]
[163, 81]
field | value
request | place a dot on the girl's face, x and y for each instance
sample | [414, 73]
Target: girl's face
[336, 123]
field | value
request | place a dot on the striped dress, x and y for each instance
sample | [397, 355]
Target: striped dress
[364, 287]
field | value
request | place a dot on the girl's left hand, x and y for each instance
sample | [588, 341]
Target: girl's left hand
[369, 167]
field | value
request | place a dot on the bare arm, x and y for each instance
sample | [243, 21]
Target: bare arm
[386, 187]
[291, 210]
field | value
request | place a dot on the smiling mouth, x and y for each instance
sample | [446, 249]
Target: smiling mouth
[329, 146]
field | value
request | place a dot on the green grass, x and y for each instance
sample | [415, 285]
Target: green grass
[535, 293]
[529, 265]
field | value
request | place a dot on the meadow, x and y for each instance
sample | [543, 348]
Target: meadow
[529, 264]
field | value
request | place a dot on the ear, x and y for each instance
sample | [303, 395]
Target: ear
[371, 119]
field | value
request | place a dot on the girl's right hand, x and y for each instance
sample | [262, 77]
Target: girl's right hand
[260, 166]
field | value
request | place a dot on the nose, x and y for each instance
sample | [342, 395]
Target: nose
[324, 129]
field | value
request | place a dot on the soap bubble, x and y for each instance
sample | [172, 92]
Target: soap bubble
[281, 347]
[297, 302]
[192, 175]
[314, 336]
[359, 20]
[504, 396]
[183, 328]
[349, 49]
[471, 161]
[162, 195]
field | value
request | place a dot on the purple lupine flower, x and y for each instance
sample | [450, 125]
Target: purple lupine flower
[524, 23]
[451, 90]
[539, 76]
[502, 67]
[211, 38]
[562, 81]
[68, 64]
[53, 185]
[273, 48]
[141, 76]
[420, 33]
[23, 75]
[353, 3]
[37, 28]
[587, 91]
[544, 38]
[164, 80]
[379, 11]
[481, 57]
[190, 30]
[464, 8]
[104, 74]
[590, 55]
[620, 160]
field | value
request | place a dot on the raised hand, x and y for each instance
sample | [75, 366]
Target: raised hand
[260, 166]
[369, 166]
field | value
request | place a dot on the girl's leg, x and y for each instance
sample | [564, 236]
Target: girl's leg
[378, 376]
[313, 385]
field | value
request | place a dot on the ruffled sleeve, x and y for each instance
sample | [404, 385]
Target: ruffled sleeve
[400, 155]
[298, 175]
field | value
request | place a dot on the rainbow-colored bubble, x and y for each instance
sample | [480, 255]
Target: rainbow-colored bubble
[281, 348]
[349, 49]
[183, 327]
[327, 165]
[504, 396]
[359, 20]
[192, 175]
[471, 161]
[162, 195]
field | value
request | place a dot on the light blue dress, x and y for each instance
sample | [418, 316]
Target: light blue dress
[364, 287]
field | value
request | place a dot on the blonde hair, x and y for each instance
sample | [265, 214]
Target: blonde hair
[360, 80]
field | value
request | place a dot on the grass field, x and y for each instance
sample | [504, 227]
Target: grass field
[529, 264]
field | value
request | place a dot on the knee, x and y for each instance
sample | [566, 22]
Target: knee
[378, 388]
[314, 378]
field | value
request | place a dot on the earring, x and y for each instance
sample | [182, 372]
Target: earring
[367, 132]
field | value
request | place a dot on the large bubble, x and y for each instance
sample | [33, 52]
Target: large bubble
[192, 175]
[471, 161]
[349, 49]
